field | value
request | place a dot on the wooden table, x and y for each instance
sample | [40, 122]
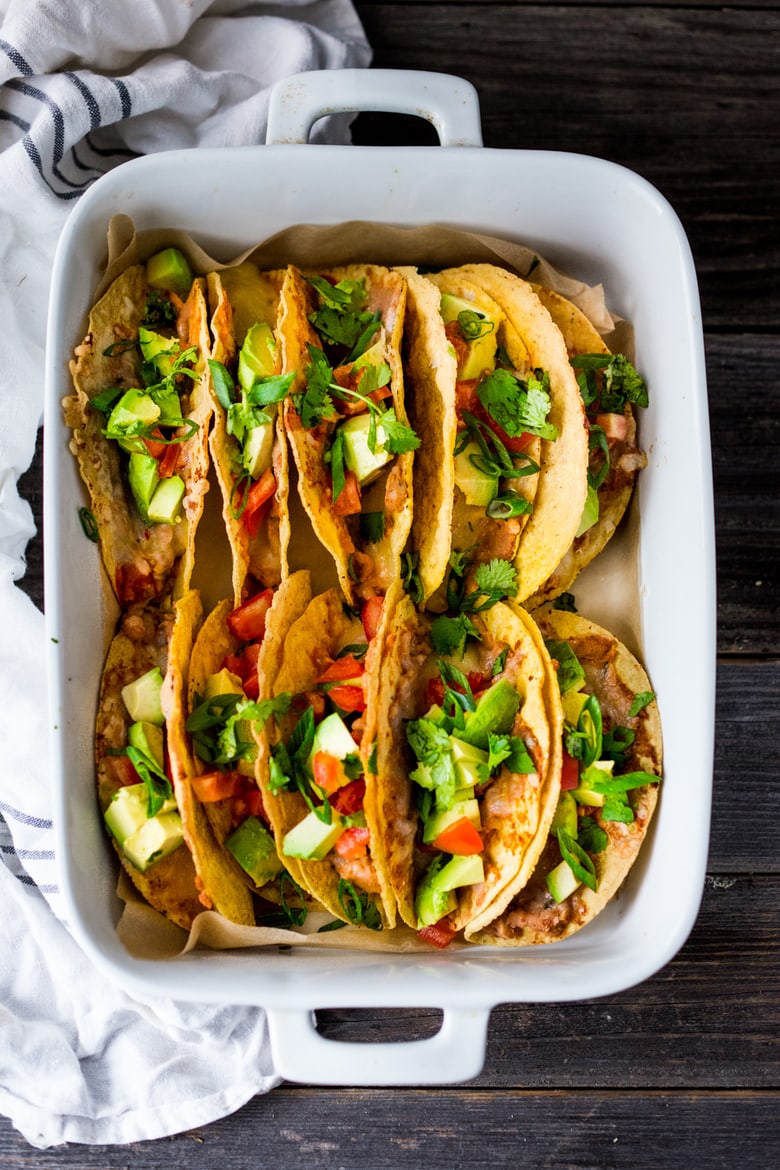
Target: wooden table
[683, 1070]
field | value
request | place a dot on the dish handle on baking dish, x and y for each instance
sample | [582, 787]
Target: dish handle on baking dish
[449, 103]
[456, 1052]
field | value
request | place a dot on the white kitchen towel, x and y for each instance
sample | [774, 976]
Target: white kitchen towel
[82, 88]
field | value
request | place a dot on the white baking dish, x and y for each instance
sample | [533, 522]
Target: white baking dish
[596, 221]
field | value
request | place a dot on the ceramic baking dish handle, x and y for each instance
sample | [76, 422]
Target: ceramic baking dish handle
[456, 1053]
[449, 103]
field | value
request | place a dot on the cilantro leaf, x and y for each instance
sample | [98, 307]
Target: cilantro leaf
[449, 634]
[608, 382]
[315, 403]
[591, 836]
[399, 436]
[431, 745]
[641, 700]
[518, 406]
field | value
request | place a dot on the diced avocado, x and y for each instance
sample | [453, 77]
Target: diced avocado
[570, 673]
[224, 682]
[155, 839]
[583, 793]
[149, 739]
[126, 812]
[572, 703]
[135, 406]
[167, 398]
[442, 820]
[561, 881]
[142, 697]
[565, 815]
[496, 710]
[358, 456]
[244, 735]
[144, 475]
[431, 904]
[258, 449]
[312, 838]
[481, 354]
[253, 848]
[435, 714]
[334, 737]
[170, 271]
[590, 513]
[258, 355]
[166, 501]
[373, 356]
[460, 871]
[467, 757]
[477, 486]
[159, 350]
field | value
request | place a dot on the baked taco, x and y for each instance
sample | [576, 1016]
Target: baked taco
[490, 386]
[609, 787]
[346, 420]
[134, 791]
[611, 390]
[468, 760]
[139, 416]
[247, 442]
[234, 656]
[313, 765]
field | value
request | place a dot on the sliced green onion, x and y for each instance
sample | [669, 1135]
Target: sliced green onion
[89, 524]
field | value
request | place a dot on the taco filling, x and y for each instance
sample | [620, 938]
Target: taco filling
[140, 424]
[316, 780]
[346, 419]
[467, 761]
[611, 768]
[247, 440]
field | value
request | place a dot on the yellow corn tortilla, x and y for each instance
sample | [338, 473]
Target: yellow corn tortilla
[516, 810]
[527, 915]
[221, 886]
[561, 489]
[364, 568]
[238, 298]
[311, 643]
[212, 644]
[143, 561]
[141, 643]
[581, 337]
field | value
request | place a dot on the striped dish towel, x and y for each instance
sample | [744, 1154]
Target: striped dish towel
[82, 88]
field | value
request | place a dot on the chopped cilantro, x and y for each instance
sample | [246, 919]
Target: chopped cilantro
[518, 406]
[608, 382]
[641, 700]
[449, 634]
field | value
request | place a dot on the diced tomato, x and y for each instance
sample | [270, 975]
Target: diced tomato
[461, 837]
[440, 934]
[122, 769]
[371, 615]
[348, 698]
[349, 799]
[347, 503]
[154, 446]
[434, 689]
[234, 663]
[211, 786]
[254, 802]
[169, 460]
[247, 622]
[328, 772]
[259, 501]
[346, 667]
[570, 772]
[615, 426]
[353, 843]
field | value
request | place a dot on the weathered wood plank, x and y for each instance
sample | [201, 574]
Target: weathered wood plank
[306, 1129]
[660, 90]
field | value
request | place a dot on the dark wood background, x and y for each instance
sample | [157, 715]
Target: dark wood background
[683, 1070]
